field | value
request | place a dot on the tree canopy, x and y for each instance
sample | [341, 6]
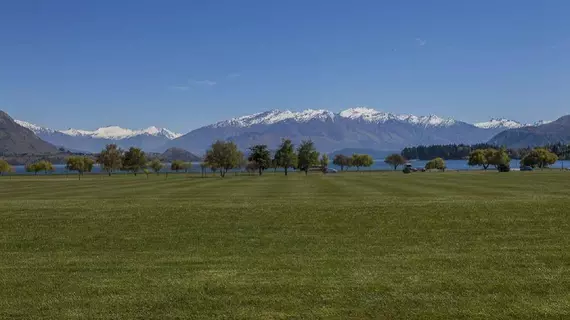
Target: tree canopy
[111, 158]
[540, 158]
[134, 160]
[79, 164]
[177, 165]
[5, 167]
[342, 161]
[156, 165]
[260, 155]
[437, 163]
[223, 156]
[307, 156]
[285, 156]
[395, 160]
[362, 160]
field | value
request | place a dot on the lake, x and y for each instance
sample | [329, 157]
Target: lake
[378, 165]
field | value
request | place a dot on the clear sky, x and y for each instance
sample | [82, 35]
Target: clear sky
[183, 64]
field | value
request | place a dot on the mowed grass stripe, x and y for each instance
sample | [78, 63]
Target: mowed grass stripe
[356, 245]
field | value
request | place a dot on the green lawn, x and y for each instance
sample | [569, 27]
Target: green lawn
[467, 245]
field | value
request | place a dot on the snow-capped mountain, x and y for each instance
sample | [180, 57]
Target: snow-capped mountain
[150, 139]
[35, 128]
[117, 133]
[359, 127]
[499, 123]
[359, 113]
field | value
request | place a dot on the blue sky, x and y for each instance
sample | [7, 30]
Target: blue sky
[183, 64]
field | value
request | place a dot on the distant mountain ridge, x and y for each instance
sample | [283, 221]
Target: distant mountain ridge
[359, 127]
[149, 139]
[533, 136]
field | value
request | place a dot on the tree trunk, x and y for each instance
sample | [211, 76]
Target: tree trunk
[260, 170]
[285, 170]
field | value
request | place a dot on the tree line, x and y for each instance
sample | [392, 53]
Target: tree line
[463, 151]
[538, 157]
[356, 160]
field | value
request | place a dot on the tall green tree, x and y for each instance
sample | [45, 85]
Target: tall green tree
[342, 161]
[395, 160]
[156, 165]
[540, 158]
[79, 164]
[498, 157]
[46, 166]
[361, 160]
[223, 156]
[285, 157]
[110, 159]
[177, 165]
[479, 158]
[5, 167]
[307, 156]
[33, 167]
[437, 163]
[134, 160]
[260, 155]
[324, 162]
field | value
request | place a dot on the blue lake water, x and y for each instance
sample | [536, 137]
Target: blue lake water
[378, 165]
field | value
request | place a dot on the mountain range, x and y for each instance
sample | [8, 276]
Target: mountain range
[150, 139]
[359, 127]
[548, 133]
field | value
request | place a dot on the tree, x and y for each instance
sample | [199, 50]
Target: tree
[539, 157]
[33, 167]
[342, 161]
[146, 172]
[79, 164]
[307, 156]
[46, 166]
[259, 154]
[498, 157]
[361, 160]
[156, 165]
[177, 165]
[5, 167]
[285, 157]
[479, 158]
[324, 162]
[134, 160]
[110, 159]
[366, 160]
[224, 156]
[436, 163]
[395, 160]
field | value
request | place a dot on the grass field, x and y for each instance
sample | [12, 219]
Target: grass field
[372, 245]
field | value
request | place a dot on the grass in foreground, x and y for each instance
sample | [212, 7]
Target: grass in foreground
[381, 245]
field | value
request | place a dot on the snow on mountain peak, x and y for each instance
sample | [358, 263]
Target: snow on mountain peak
[109, 132]
[118, 133]
[371, 115]
[35, 128]
[274, 116]
[499, 123]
